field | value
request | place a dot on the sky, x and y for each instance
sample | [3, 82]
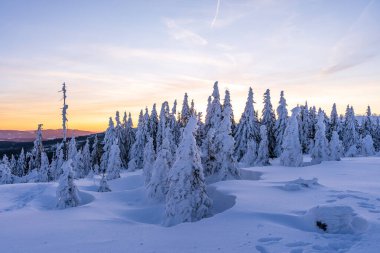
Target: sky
[127, 55]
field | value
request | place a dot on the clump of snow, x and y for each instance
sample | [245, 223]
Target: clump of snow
[336, 219]
[300, 184]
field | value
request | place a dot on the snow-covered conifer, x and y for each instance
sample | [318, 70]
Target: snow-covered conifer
[334, 122]
[263, 151]
[350, 133]
[187, 199]
[103, 185]
[21, 164]
[320, 151]
[44, 169]
[227, 103]
[67, 191]
[114, 164]
[247, 128]
[367, 126]
[108, 141]
[96, 153]
[269, 120]
[72, 149]
[130, 135]
[86, 158]
[185, 112]
[137, 151]
[282, 118]
[335, 147]
[153, 126]
[250, 157]
[35, 158]
[149, 158]
[13, 165]
[291, 148]
[121, 139]
[5, 174]
[366, 147]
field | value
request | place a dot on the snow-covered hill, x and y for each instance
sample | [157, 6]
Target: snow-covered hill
[270, 210]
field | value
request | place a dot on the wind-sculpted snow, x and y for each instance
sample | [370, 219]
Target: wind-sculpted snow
[339, 212]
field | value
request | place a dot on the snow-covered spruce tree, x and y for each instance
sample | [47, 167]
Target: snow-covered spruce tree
[226, 167]
[350, 133]
[21, 164]
[103, 185]
[129, 134]
[227, 103]
[305, 127]
[250, 157]
[55, 170]
[247, 129]
[282, 118]
[157, 187]
[35, 158]
[162, 124]
[200, 133]
[263, 151]
[44, 169]
[137, 151]
[335, 147]
[185, 112]
[86, 159]
[5, 174]
[72, 152]
[334, 122]
[187, 199]
[96, 154]
[320, 151]
[108, 141]
[367, 126]
[366, 147]
[292, 152]
[13, 165]
[174, 124]
[153, 126]
[79, 170]
[67, 191]
[376, 135]
[149, 158]
[269, 120]
[119, 135]
[114, 164]
[213, 122]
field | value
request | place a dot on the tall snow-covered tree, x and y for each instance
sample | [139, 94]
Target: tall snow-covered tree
[291, 147]
[367, 126]
[263, 151]
[158, 185]
[129, 134]
[269, 120]
[137, 151]
[149, 158]
[57, 163]
[86, 158]
[226, 167]
[162, 124]
[282, 118]
[121, 139]
[320, 151]
[5, 174]
[187, 199]
[305, 127]
[376, 135]
[335, 147]
[67, 191]
[247, 128]
[350, 133]
[185, 112]
[96, 154]
[334, 122]
[35, 159]
[250, 157]
[153, 125]
[72, 152]
[13, 165]
[227, 103]
[114, 163]
[108, 141]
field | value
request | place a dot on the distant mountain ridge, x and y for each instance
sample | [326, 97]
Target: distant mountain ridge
[47, 134]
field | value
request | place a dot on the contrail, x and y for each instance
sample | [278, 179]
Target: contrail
[216, 14]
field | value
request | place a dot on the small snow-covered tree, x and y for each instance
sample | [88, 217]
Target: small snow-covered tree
[121, 139]
[187, 199]
[366, 147]
[320, 151]
[86, 159]
[57, 163]
[153, 126]
[44, 169]
[67, 191]
[334, 123]
[263, 152]
[350, 133]
[5, 174]
[227, 103]
[96, 153]
[21, 164]
[247, 128]
[250, 157]
[103, 185]
[269, 120]
[292, 152]
[185, 112]
[129, 134]
[13, 165]
[367, 126]
[282, 118]
[114, 164]
[335, 147]
[149, 158]
[72, 149]
[35, 154]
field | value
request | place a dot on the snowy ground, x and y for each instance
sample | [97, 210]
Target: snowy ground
[267, 211]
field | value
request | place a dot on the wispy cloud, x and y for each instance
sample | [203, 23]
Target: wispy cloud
[180, 33]
[360, 44]
[216, 14]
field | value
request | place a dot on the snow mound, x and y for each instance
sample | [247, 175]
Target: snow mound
[336, 220]
[250, 174]
[300, 184]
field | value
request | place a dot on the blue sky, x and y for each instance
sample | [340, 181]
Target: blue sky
[125, 55]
